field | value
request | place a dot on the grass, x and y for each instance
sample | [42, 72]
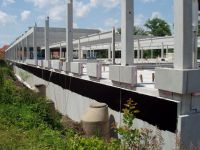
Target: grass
[26, 125]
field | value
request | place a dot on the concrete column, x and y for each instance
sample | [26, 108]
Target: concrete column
[15, 51]
[167, 49]
[162, 50]
[46, 39]
[127, 32]
[151, 54]
[138, 51]
[69, 32]
[34, 44]
[113, 45]
[79, 50]
[27, 49]
[183, 34]
[60, 50]
[142, 53]
[109, 52]
[195, 31]
[22, 52]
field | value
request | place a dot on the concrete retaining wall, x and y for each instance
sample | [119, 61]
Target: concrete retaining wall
[75, 105]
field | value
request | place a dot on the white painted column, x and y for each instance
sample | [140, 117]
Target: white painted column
[113, 45]
[195, 32]
[183, 34]
[127, 32]
[46, 39]
[34, 44]
[69, 32]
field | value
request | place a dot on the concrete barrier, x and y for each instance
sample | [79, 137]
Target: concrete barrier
[123, 74]
[94, 70]
[77, 68]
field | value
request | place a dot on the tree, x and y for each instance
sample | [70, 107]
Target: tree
[158, 27]
[136, 31]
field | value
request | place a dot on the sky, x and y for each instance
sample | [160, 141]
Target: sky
[17, 15]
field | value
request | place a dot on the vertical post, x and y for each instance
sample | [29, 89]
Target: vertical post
[15, 49]
[22, 44]
[69, 32]
[167, 50]
[142, 53]
[162, 50]
[46, 38]
[113, 45]
[79, 49]
[27, 49]
[34, 44]
[195, 31]
[109, 52]
[127, 32]
[151, 54]
[183, 34]
[138, 51]
[60, 51]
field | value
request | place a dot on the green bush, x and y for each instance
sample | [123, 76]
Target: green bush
[25, 122]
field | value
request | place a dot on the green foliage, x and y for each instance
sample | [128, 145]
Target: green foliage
[158, 27]
[25, 123]
[138, 139]
[137, 30]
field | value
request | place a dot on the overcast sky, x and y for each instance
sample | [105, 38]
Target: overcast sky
[17, 15]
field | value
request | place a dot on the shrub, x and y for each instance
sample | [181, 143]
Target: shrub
[138, 139]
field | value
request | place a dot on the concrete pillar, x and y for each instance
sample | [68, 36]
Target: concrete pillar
[27, 49]
[167, 49]
[183, 34]
[113, 45]
[69, 32]
[138, 51]
[15, 50]
[162, 50]
[22, 52]
[151, 53]
[109, 52]
[127, 32]
[34, 44]
[79, 50]
[195, 31]
[46, 39]
[60, 50]
[142, 53]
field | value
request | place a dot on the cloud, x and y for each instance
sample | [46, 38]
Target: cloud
[139, 20]
[7, 2]
[57, 12]
[156, 14]
[111, 22]
[25, 14]
[43, 3]
[148, 1]
[81, 9]
[6, 18]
